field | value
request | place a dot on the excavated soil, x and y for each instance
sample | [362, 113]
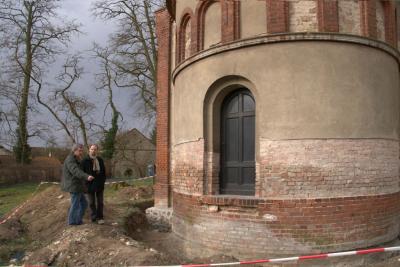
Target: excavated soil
[50, 241]
[40, 236]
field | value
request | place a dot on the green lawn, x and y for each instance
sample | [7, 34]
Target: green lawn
[12, 196]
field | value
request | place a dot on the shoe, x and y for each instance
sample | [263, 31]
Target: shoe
[101, 221]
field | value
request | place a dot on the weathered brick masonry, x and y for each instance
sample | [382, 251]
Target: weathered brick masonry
[313, 195]
[187, 167]
[161, 188]
[241, 226]
[328, 168]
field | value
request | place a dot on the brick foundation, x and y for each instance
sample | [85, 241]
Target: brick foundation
[312, 196]
[241, 226]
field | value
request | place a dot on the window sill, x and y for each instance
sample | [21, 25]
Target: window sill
[231, 200]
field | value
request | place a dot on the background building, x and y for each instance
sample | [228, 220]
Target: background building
[133, 153]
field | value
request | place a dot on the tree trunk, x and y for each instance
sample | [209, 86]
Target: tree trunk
[24, 154]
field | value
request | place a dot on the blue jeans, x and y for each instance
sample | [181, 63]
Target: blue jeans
[77, 209]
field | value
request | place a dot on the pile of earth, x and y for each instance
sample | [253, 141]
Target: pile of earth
[40, 226]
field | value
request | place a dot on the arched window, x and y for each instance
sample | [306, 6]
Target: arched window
[237, 175]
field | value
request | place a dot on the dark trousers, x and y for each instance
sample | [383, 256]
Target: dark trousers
[96, 203]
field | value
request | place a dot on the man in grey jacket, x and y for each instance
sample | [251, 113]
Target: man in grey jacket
[73, 181]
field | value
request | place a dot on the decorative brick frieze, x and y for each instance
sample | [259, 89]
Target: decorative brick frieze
[351, 16]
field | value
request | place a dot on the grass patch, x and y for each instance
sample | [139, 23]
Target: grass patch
[146, 182]
[11, 196]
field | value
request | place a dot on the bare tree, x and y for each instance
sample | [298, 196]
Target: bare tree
[134, 47]
[107, 81]
[71, 72]
[31, 31]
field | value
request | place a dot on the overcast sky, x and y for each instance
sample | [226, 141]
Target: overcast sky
[94, 30]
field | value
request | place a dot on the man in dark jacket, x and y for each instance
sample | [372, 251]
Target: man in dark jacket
[73, 181]
[94, 165]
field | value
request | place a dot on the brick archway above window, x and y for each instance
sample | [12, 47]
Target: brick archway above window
[201, 10]
[230, 20]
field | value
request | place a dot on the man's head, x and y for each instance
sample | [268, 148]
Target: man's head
[77, 150]
[93, 150]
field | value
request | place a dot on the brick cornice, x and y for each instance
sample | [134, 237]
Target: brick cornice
[287, 37]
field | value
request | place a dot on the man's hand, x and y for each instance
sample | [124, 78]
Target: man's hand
[90, 178]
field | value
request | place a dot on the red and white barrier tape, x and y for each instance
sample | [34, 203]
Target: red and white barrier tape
[56, 183]
[306, 257]
[138, 179]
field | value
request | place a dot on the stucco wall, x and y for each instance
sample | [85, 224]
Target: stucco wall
[212, 25]
[253, 18]
[313, 90]
[303, 16]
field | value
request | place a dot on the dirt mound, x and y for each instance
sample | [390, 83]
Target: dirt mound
[42, 236]
[50, 241]
[95, 245]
